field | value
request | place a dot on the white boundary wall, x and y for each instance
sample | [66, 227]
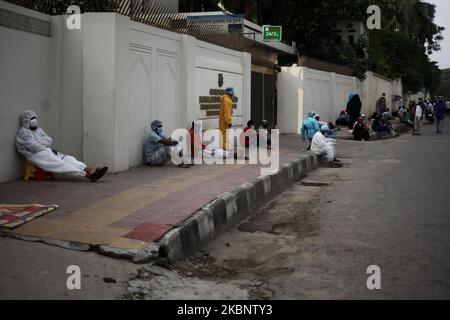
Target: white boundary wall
[301, 90]
[96, 90]
[26, 81]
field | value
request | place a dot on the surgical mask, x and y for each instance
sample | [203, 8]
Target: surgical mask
[159, 131]
[33, 124]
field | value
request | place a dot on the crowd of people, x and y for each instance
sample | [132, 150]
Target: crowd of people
[37, 147]
[413, 116]
[320, 134]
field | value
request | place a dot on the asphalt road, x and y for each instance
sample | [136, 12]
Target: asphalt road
[390, 208]
[38, 271]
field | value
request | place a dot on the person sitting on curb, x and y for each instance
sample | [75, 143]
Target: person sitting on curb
[264, 135]
[196, 145]
[342, 120]
[249, 132]
[360, 130]
[323, 146]
[381, 126]
[158, 149]
[36, 146]
[405, 117]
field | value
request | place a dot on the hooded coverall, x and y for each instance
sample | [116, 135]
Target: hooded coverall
[225, 119]
[323, 147]
[36, 147]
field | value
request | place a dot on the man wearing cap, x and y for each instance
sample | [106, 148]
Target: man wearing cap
[226, 116]
[323, 146]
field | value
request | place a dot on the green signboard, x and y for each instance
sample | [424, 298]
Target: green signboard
[272, 33]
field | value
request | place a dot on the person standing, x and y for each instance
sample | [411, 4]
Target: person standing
[309, 128]
[381, 105]
[418, 119]
[440, 111]
[226, 116]
[448, 106]
[354, 110]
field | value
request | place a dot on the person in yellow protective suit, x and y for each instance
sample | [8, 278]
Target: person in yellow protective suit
[226, 116]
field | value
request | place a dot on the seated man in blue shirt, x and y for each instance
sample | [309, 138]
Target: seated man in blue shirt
[158, 148]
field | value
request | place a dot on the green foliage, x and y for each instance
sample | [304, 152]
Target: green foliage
[311, 25]
[444, 87]
[398, 50]
[401, 48]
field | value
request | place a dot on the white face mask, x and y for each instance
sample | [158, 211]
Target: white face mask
[33, 124]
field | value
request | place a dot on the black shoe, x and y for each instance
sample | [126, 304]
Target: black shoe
[97, 174]
[336, 160]
[335, 165]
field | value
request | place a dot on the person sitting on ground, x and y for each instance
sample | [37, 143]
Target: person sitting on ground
[373, 116]
[405, 117]
[196, 145]
[386, 116]
[320, 123]
[381, 126]
[332, 133]
[247, 134]
[36, 146]
[159, 149]
[342, 120]
[309, 128]
[264, 135]
[323, 146]
[360, 130]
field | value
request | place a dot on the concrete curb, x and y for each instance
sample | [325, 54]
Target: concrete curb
[230, 208]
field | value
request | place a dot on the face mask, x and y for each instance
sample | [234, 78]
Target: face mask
[33, 124]
[159, 131]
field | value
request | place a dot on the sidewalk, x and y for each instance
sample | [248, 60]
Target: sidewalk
[132, 209]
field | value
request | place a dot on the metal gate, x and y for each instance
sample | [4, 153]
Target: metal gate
[263, 98]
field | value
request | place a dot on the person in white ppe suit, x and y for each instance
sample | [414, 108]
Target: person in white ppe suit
[36, 146]
[322, 146]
